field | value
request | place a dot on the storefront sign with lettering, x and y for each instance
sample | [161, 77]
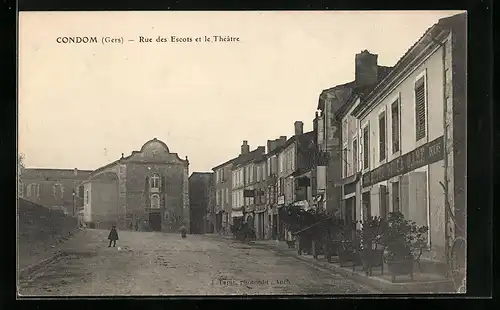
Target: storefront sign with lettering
[422, 156]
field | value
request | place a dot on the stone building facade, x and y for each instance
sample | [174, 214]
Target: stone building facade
[54, 188]
[152, 190]
[199, 202]
[403, 134]
[222, 197]
[329, 133]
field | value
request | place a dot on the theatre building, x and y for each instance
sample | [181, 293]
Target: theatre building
[408, 133]
[148, 188]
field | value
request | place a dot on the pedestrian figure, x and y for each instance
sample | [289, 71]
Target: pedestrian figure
[183, 230]
[136, 226]
[113, 236]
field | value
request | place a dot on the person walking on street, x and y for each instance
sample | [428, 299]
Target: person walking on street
[113, 236]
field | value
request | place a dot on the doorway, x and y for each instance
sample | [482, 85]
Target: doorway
[262, 226]
[350, 210]
[367, 214]
[155, 221]
[275, 226]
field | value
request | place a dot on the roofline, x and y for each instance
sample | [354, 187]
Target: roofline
[56, 169]
[406, 61]
[344, 109]
[224, 164]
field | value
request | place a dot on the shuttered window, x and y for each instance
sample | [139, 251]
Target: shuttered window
[420, 108]
[395, 197]
[366, 146]
[344, 161]
[384, 210]
[395, 126]
[355, 155]
[382, 135]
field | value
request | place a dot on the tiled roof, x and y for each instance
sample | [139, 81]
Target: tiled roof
[55, 173]
[248, 157]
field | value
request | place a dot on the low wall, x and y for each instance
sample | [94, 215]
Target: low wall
[40, 228]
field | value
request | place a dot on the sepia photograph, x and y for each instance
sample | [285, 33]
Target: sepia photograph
[229, 153]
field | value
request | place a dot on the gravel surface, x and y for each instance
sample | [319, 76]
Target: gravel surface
[147, 263]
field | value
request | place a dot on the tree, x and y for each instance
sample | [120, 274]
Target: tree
[20, 169]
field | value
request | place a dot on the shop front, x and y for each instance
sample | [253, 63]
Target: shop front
[350, 209]
[281, 225]
[261, 222]
[410, 184]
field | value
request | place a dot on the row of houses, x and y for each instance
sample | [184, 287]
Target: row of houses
[393, 139]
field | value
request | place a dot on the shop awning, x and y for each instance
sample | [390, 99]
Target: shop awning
[237, 214]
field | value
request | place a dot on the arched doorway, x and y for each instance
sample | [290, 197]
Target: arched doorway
[155, 214]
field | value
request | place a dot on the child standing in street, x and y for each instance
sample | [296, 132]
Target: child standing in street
[113, 236]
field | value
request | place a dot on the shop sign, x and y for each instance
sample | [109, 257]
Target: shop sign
[281, 200]
[425, 155]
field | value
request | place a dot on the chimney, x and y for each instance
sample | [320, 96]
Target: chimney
[245, 148]
[366, 70]
[281, 141]
[75, 172]
[299, 128]
[269, 145]
[261, 149]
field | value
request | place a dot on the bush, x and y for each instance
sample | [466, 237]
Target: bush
[402, 237]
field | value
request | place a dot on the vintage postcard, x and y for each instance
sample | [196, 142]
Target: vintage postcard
[241, 153]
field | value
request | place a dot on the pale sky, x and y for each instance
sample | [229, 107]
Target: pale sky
[82, 105]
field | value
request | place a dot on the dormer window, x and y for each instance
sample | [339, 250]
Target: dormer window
[154, 183]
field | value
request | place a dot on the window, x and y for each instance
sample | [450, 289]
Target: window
[217, 176]
[366, 147]
[395, 197]
[217, 197]
[86, 197]
[345, 129]
[227, 195]
[258, 173]
[264, 171]
[355, 155]
[155, 201]
[250, 170]
[395, 126]
[32, 190]
[155, 182]
[382, 135]
[223, 173]
[21, 189]
[420, 117]
[344, 161]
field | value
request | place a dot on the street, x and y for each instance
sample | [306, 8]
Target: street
[149, 263]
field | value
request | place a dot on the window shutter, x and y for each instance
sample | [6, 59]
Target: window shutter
[381, 126]
[404, 197]
[355, 155]
[420, 109]
[366, 145]
[395, 126]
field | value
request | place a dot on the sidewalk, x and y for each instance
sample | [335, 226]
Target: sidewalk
[422, 282]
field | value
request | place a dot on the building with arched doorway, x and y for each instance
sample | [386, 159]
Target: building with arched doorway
[147, 190]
